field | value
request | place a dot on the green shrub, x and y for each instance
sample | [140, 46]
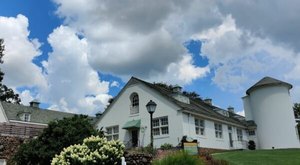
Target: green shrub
[166, 146]
[179, 158]
[94, 150]
[58, 135]
[251, 145]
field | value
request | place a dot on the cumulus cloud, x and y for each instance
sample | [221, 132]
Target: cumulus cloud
[240, 58]
[138, 38]
[73, 85]
[19, 53]
[278, 21]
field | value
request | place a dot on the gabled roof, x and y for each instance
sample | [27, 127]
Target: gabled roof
[197, 106]
[267, 81]
[42, 116]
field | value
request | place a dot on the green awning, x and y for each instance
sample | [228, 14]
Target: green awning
[132, 124]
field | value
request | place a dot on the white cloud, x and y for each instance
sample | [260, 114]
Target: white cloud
[183, 72]
[139, 38]
[242, 41]
[73, 85]
[19, 53]
[240, 58]
[115, 84]
[242, 113]
[26, 97]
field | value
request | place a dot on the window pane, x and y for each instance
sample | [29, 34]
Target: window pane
[202, 131]
[155, 122]
[197, 130]
[109, 137]
[164, 130]
[116, 137]
[109, 130]
[164, 121]
[116, 129]
[156, 131]
[202, 123]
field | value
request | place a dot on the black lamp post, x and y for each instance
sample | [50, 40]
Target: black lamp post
[151, 106]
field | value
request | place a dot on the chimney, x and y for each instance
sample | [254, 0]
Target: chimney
[208, 101]
[230, 109]
[34, 103]
[176, 89]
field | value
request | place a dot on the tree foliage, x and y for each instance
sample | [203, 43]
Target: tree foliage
[58, 135]
[296, 109]
[6, 94]
[192, 95]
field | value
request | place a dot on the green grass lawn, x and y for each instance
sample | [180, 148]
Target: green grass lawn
[261, 157]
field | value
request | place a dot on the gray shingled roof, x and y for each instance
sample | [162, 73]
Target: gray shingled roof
[13, 112]
[196, 105]
[267, 81]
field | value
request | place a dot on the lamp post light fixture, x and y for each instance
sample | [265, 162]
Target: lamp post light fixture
[151, 106]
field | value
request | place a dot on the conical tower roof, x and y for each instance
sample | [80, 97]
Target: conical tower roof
[267, 81]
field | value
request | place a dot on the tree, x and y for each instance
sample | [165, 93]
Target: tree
[6, 94]
[296, 109]
[192, 95]
[58, 135]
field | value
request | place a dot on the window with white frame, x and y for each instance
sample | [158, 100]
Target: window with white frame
[112, 133]
[218, 130]
[160, 126]
[239, 133]
[134, 107]
[25, 117]
[251, 132]
[199, 126]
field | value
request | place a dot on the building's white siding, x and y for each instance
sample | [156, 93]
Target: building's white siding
[247, 108]
[119, 114]
[271, 108]
[2, 115]
[209, 140]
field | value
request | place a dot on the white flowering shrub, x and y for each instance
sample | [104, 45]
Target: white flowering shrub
[94, 150]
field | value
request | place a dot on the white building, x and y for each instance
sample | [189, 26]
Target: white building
[269, 105]
[269, 117]
[176, 115]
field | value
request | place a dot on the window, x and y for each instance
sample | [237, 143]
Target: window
[199, 126]
[112, 133]
[134, 107]
[239, 134]
[251, 132]
[25, 117]
[218, 130]
[160, 126]
[229, 129]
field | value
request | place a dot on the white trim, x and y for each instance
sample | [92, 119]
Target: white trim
[24, 122]
[213, 119]
[3, 111]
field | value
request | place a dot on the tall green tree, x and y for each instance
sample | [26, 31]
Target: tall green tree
[58, 135]
[296, 109]
[6, 94]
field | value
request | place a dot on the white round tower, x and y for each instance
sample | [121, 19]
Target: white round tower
[268, 103]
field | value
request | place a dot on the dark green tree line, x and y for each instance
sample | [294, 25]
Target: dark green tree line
[6, 94]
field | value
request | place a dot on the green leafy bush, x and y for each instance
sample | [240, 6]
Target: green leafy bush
[58, 134]
[179, 158]
[94, 150]
[251, 145]
[166, 146]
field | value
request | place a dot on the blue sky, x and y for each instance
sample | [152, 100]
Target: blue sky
[75, 55]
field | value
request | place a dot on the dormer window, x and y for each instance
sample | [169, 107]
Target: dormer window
[134, 107]
[25, 117]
